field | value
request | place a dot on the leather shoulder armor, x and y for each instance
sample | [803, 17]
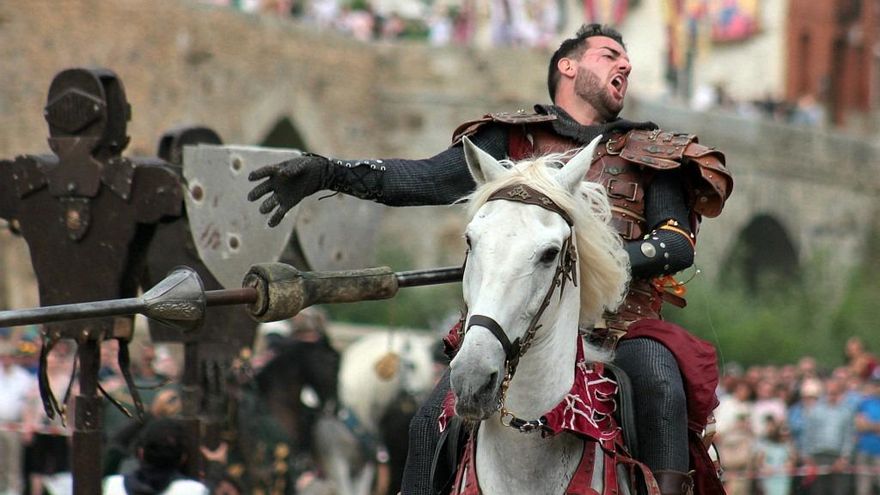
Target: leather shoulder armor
[708, 181]
[510, 118]
[714, 184]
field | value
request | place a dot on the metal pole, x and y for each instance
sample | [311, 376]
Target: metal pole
[432, 276]
[75, 311]
[88, 424]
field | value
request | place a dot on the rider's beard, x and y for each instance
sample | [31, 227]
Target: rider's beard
[589, 88]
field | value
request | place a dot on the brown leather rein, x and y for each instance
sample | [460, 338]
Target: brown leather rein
[565, 271]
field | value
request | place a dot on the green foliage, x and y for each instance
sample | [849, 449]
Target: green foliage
[778, 323]
[770, 329]
[859, 312]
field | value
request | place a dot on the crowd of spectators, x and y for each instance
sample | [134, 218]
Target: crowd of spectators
[796, 429]
[439, 22]
[779, 430]
[34, 449]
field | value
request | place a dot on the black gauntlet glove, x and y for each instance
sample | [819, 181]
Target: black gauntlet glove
[292, 180]
[288, 183]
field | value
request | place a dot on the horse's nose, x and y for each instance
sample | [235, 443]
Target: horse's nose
[489, 386]
[473, 381]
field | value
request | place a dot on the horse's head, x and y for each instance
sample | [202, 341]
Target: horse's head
[531, 223]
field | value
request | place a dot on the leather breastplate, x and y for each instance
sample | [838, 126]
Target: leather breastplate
[625, 183]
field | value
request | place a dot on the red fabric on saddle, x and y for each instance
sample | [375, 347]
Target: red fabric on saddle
[587, 409]
[699, 371]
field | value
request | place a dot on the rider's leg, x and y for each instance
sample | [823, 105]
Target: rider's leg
[660, 411]
[424, 434]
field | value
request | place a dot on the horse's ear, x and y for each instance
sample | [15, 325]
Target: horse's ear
[575, 170]
[484, 168]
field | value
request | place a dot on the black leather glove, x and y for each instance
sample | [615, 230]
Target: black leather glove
[288, 183]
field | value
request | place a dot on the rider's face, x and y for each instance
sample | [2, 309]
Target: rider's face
[603, 76]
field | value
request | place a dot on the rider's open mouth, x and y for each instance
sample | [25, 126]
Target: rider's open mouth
[618, 82]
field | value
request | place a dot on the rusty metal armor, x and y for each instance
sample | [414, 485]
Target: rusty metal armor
[625, 164]
[87, 214]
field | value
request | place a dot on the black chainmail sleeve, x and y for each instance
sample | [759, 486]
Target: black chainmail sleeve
[440, 180]
[663, 252]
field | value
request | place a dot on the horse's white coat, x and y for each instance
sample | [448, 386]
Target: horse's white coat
[369, 396]
[506, 280]
[364, 392]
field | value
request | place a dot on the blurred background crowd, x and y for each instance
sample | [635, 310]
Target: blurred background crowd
[278, 391]
[801, 429]
[34, 449]
[532, 23]
[797, 428]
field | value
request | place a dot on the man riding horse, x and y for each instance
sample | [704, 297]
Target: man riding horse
[660, 185]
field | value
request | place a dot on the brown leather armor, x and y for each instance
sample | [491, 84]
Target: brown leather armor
[625, 164]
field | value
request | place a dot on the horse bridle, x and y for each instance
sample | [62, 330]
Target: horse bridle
[565, 271]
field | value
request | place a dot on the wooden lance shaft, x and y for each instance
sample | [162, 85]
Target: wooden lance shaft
[283, 291]
[272, 291]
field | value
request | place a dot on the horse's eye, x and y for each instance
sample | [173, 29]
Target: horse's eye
[467, 240]
[549, 255]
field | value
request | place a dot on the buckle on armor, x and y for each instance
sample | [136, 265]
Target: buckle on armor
[624, 227]
[609, 147]
[629, 195]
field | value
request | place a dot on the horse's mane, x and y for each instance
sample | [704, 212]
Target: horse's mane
[604, 266]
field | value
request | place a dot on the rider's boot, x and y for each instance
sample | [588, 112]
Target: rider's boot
[674, 482]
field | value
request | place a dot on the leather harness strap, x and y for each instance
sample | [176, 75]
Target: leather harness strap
[511, 349]
[521, 193]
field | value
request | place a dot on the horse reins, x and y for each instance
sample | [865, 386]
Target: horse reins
[565, 270]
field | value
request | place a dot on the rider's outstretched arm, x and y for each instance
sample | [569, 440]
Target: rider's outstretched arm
[439, 180]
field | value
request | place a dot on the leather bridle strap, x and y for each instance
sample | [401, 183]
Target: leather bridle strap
[521, 193]
[511, 350]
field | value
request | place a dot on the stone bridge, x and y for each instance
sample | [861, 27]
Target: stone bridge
[266, 80]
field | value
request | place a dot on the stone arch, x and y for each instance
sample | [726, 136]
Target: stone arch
[284, 134]
[763, 255]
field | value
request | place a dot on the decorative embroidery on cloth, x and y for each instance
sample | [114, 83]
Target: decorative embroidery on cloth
[586, 409]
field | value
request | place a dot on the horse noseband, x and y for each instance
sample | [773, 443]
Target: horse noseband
[511, 350]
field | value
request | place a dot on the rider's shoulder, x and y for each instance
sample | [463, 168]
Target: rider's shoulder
[521, 117]
[518, 117]
[646, 146]
[706, 166]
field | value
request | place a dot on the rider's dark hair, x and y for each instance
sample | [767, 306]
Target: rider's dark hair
[574, 48]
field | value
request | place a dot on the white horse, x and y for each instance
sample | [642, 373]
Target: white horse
[375, 371]
[542, 260]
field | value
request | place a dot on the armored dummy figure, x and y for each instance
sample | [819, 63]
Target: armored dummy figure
[226, 330]
[87, 214]
[660, 185]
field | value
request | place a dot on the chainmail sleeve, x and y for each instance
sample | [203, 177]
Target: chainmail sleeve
[440, 180]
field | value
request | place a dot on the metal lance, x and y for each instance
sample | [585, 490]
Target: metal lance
[272, 291]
